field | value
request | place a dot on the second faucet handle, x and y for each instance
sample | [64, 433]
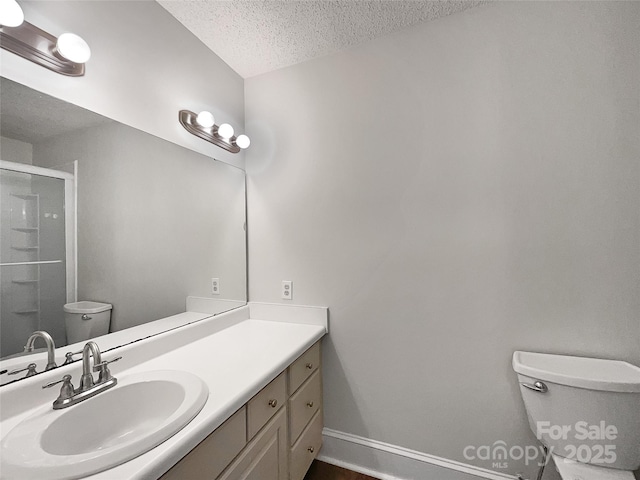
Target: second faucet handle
[68, 357]
[103, 368]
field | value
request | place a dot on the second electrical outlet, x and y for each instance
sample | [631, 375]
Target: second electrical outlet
[287, 289]
[215, 286]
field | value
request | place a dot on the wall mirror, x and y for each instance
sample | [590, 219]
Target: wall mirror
[94, 210]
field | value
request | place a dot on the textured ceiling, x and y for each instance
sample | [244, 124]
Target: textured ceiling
[257, 36]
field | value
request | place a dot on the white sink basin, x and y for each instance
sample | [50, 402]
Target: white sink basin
[139, 413]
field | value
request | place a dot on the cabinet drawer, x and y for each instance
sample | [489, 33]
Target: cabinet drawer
[306, 448]
[303, 367]
[265, 404]
[303, 405]
[214, 453]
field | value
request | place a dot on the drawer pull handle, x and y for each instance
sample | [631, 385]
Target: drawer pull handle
[310, 404]
[311, 449]
[309, 366]
[273, 403]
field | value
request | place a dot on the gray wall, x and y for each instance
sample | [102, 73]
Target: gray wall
[454, 192]
[155, 222]
[15, 151]
[145, 67]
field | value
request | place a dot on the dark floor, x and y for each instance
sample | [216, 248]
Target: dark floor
[324, 471]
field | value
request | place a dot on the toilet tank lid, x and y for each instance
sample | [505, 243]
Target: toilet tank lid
[581, 372]
[87, 307]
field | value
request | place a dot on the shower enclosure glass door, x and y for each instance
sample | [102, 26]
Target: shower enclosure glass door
[36, 249]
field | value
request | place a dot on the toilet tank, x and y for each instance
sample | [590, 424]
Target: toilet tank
[85, 320]
[585, 409]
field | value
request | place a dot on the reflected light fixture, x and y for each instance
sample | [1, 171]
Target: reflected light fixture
[73, 48]
[65, 55]
[203, 125]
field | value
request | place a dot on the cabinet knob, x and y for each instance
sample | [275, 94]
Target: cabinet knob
[311, 449]
[310, 404]
[273, 403]
[309, 366]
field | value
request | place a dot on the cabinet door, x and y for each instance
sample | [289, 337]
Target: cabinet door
[214, 453]
[265, 458]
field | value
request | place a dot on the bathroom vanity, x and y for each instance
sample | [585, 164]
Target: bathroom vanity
[276, 435]
[262, 418]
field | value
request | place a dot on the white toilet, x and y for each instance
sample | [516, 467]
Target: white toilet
[586, 411]
[85, 320]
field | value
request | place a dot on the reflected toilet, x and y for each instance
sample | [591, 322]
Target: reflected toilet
[85, 320]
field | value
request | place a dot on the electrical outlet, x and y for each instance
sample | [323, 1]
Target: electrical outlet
[215, 286]
[287, 289]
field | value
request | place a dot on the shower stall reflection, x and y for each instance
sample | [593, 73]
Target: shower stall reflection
[36, 253]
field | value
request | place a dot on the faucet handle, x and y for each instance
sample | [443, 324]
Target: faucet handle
[66, 392]
[30, 369]
[102, 365]
[68, 357]
[66, 379]
[105, 374]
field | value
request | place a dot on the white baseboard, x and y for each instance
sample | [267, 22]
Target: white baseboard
[390, 462]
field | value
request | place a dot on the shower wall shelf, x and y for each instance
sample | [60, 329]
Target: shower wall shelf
[43, 262]
[25, 242]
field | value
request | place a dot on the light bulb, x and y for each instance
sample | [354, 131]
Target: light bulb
[73, 48]
[243, 141]
[205, 119]
[225, 130]
[11, 15]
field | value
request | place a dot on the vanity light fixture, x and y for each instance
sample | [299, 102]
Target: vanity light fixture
[243, 141]
[203, 125]
[11, 14]
[225, 130]
[206, 119]
[65, 55]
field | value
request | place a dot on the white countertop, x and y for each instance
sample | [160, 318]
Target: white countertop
[234, 355]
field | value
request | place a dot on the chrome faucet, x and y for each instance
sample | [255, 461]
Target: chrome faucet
[51, 347]
[90, 349]
[88, 386]
[28, 348]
